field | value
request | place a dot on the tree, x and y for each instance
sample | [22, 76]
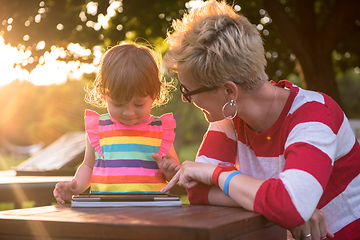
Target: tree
[310, 31]
[313, 30]
[26, 23]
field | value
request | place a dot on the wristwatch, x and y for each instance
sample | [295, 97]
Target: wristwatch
[222, 167]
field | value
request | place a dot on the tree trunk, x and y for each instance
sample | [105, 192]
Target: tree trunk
[318, 72]
[313, 36]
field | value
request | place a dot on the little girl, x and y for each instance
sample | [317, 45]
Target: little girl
[127, 149]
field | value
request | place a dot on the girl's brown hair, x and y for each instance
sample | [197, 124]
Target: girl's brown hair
[126, 70]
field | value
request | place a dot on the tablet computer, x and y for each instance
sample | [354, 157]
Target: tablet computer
[126, 197]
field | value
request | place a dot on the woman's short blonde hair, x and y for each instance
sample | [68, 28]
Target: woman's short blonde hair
[125, 70]
[214, 44]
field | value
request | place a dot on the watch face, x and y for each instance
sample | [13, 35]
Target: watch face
[225, 164]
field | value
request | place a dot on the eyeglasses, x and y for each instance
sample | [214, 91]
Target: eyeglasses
[187, 94]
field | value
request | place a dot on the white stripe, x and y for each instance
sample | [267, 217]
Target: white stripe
[345, 139]
[309, 132]
[259, 167]
[345, 208]
[204, 159]
[304, 190]
[305, 96]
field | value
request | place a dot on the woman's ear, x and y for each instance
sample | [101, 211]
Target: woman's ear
[231, 89]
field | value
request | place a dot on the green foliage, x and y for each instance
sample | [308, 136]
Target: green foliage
[349, 87]
[311, 30]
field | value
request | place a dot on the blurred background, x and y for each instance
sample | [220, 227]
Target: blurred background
[50, 50]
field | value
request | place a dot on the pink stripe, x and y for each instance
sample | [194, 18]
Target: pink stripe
[121, 171]
[147, 128]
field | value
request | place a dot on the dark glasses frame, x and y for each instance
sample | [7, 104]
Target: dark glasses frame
[187, 94]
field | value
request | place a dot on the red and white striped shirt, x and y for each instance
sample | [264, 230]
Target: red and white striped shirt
[309, 158]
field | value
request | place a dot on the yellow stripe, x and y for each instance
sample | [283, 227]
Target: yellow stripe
[133, 187]
[131, 140]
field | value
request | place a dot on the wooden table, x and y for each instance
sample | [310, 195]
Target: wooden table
[19, 189]
[164, 223]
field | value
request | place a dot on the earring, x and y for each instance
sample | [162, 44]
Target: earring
[231, 103]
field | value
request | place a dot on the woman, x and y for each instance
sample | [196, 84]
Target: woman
[294, 147]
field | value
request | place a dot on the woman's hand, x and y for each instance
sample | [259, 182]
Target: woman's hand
[190, 174]
[64, 190]
[314, 229]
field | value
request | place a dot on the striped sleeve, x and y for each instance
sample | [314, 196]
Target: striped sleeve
[219, 145]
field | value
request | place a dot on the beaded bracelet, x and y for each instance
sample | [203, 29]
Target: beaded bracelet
[227, 182]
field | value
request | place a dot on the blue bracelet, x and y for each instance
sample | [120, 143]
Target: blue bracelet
[227, 181]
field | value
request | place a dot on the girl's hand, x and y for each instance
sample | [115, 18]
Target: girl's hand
[190, 174]
[314, 229]
[65, 190]
[167, 164]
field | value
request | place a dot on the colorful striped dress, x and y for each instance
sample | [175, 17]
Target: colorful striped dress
[123, 161]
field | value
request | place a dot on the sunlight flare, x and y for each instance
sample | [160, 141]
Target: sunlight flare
[50, 69]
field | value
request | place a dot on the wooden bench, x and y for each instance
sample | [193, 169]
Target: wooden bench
[34, 179]
[60, 158]
[20, 189]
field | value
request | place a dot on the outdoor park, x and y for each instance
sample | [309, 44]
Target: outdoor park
[50, 50]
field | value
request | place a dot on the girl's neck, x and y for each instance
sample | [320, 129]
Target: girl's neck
[144, 121]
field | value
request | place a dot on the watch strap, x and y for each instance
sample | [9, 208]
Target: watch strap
[215, 176]
[219, 169]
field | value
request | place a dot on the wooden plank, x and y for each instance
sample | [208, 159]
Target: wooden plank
[59, 158]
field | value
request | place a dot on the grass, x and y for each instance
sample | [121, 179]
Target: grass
[10, 205]
[6, 162]
[187, 153]
[184, 199]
